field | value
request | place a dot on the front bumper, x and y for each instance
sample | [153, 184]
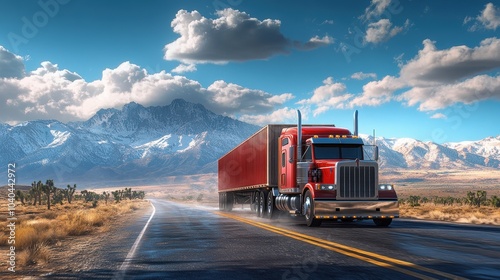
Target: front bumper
[361, 209]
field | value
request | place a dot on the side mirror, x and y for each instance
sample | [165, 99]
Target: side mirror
[291, 153]
[375, 153]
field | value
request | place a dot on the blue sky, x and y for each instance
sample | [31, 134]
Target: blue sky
[428, 70]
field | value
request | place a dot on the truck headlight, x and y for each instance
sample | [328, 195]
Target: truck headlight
[325, 187]
[385, 187]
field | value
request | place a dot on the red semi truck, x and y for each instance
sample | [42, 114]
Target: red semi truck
[319, 171]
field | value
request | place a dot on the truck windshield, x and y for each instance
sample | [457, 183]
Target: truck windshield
[338, 152]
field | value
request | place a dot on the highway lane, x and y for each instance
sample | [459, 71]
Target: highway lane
[185, 242]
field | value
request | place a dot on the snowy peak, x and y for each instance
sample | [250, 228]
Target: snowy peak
[116, 145]
[411, 153]
[140, 144]
[488, 147]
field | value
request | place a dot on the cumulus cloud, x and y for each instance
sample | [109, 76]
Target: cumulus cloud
[440, 78]
[376, 9]
[316, 42]
[11, 65]
[383, 30]
[363, 76]
[233, 36]
[376, 93]
[328, 96]
[283, 115]
[233, 99]
[489, 18]
[433, 66]
[52, 93]
[471, 90]
[434, 79]
[438, 116]
[183, 68]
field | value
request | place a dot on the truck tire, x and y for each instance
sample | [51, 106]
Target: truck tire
[229, 201]
[382, 222]
[309, 211]
[269, 206]
[262, 204]
[253, 201]
[226, 201]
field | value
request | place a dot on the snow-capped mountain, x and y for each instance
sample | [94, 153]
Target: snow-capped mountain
[414, 154]
[139, 145]
[135, 144]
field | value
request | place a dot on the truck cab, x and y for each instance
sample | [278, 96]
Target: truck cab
[334, 177]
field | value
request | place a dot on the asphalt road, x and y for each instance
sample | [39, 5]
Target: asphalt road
[187, 242]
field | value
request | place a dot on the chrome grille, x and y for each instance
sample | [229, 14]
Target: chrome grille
[356, 182]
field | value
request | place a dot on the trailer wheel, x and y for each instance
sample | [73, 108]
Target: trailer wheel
[254, 198]
[262, 204]
[382, 222]
[221, 202]
[270, 205]
[226, 201]
[309, 211]
[229, 202]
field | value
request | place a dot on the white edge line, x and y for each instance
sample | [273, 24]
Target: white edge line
[120, 274]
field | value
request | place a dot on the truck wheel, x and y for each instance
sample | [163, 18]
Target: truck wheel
[309, 211]
[229, 202]
[269, 205]
[262, 204]
[257, 203]
[382, 222]
[253, 201]
[221, 202]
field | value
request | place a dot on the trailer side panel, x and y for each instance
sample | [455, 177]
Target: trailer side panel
[253, 163]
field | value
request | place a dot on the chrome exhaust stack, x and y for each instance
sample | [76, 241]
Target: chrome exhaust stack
[355, 123]
[299, 136]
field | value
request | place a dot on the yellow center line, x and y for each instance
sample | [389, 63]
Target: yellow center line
[370, 257]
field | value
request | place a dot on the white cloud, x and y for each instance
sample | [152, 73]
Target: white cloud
[363, 76]
[283, 115]
[440, 78]
[383, 30]
[51, 93]
[11, 65]
[471, 90]
[232, 99]
[438, 116]
[316, 42]
[183, 68]
[434, 67]
[376, 93]
[433, 80]
[328, 96]
[376, 8]
[232, 36]
[489, 18]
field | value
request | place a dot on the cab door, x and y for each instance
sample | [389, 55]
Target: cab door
[283, 160]
[287, 162]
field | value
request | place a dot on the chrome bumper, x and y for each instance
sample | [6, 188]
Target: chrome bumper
[338, 209]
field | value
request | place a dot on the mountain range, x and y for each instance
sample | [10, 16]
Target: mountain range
[139, 145]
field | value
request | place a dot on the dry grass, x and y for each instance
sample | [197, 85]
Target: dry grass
[452, 213]
[37, 229]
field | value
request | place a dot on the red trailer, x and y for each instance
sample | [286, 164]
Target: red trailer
[318, 171]
[249, 167]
